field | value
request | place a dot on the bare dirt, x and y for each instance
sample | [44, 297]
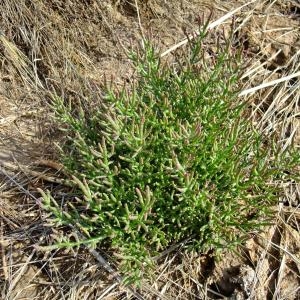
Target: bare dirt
[71, 46]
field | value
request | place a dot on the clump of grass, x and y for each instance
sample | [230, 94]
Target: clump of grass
[169, 158]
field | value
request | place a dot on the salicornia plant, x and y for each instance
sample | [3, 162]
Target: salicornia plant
[171, 157]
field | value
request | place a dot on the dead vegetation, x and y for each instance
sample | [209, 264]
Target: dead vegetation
[71, 47]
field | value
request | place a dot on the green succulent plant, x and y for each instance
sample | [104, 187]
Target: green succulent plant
[170, 157]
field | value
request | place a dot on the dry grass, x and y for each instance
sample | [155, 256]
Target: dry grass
[51, 46]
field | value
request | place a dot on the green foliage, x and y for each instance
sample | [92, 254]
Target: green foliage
[170, 157]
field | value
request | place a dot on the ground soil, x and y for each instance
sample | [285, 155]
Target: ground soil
[70, 46]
